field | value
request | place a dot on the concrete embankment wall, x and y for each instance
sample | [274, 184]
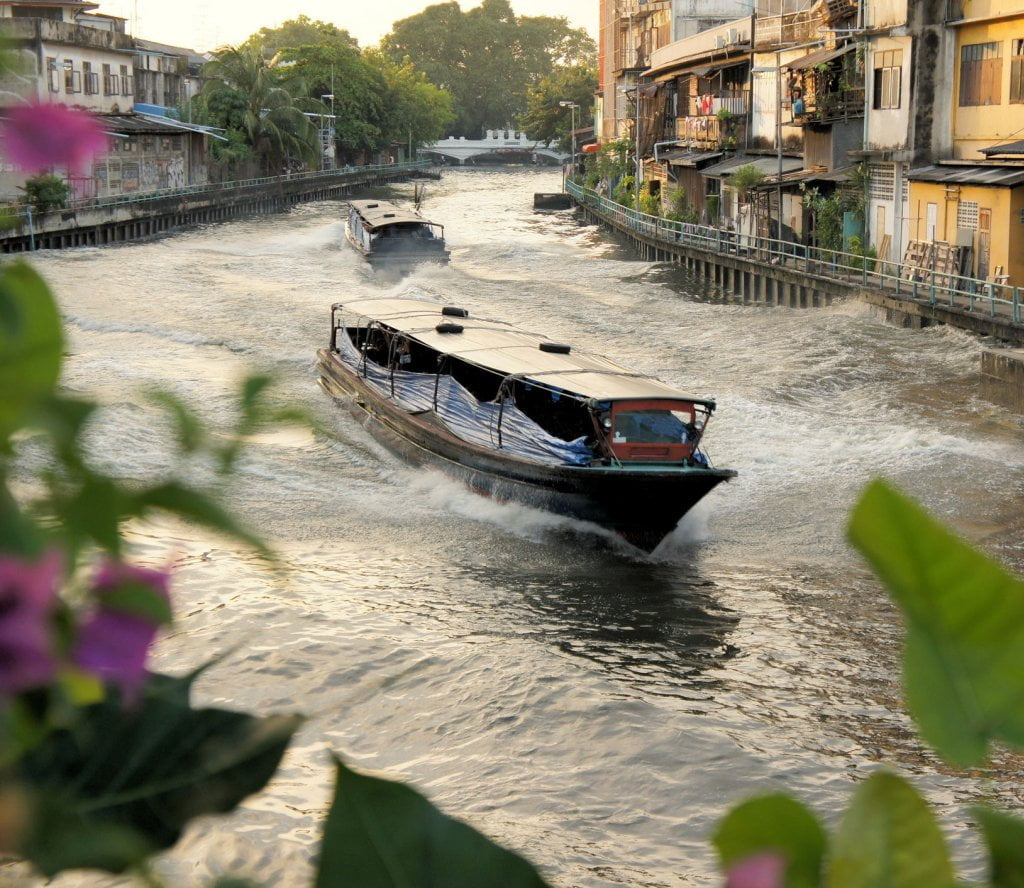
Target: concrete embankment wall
[116, 223]
[746, 279]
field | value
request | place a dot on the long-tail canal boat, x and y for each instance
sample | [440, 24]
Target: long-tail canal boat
[519, 417]
[387, 234]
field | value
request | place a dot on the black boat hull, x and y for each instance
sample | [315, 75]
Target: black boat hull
[643, 504]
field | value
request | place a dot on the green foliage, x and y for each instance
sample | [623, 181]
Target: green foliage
[624, 192]
[964, 657]
[774, 824]
[649, 203]
[713, 205]
[46, 192]
[121, 785]
[864, 257]
[413, 106]
[299, 31]
[31, 347]
[679, 207]
[545, 120]
[745, 179]
[382, 834]
[612, 161]
[487, 58]
[888, 836]
[266, 102]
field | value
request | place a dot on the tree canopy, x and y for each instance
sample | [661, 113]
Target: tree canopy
[545, 119]
[487, 58]
[375, 101]
[265, 102]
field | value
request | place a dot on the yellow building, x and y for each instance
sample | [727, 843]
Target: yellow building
[975, 199]
[979, 206]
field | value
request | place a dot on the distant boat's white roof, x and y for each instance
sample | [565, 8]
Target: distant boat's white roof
[506, 350]
[380, 213]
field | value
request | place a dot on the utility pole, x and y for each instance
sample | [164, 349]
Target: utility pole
[573, 107]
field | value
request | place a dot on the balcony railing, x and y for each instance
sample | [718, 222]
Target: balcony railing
[831, 106]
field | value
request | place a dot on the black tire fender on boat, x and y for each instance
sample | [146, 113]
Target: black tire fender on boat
[557, 348]
[454, 312]
[448, 327]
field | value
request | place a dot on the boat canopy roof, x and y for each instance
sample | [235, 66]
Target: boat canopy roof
[380, 214]
[511, 352]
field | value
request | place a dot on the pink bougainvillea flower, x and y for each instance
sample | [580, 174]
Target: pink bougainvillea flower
[38, 137]
[114, 641]
[28, 596]
[760, 871]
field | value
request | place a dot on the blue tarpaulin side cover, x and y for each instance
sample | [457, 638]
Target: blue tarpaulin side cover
[471, 420]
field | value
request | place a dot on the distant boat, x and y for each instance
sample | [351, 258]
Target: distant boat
[388, 234]
[519, 417]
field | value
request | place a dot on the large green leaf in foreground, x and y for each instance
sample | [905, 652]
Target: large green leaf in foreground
[122, 784]
[889, 837]
[31, 345]
[1004, 836]
[964, 656]
[774, 824]
[381, 834]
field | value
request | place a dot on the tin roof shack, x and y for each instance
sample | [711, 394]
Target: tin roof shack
[151, 154]
[978, 208]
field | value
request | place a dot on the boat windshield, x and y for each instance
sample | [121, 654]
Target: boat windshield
[652, 426]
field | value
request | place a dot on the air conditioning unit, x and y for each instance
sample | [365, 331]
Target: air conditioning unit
[734, 37]
[720, 42]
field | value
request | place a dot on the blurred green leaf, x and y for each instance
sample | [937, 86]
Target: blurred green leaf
[190, 432]
[149, 770]
[177, 499]
[889, 837]
[774, 823]
[1004, 836]
[31, 346]
[964, 657]
[93, 512]
[139, 600]
[381, 834]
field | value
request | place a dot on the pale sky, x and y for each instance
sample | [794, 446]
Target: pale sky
[207, 24]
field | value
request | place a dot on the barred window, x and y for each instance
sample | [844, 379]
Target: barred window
[888, 78]
[967, 215]
[981, 66]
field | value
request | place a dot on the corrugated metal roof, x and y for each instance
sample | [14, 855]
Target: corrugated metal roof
[691, 158]
[818, 57]
[767, 165]
[506, 350]
[1005, 148]
[380, 213]
[969, 175]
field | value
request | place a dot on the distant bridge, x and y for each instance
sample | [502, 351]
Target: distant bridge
[499, 145]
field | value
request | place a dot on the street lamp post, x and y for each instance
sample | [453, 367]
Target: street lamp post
[573, 107]
[330, 128]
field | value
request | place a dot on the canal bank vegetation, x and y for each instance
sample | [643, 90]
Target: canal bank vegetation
[280, 93]
[103, 764]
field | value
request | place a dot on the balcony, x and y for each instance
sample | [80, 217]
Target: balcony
[829, 107]
[713, 122]
[786, 30]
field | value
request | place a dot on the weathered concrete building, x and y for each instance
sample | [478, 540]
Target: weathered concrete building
[74, 56]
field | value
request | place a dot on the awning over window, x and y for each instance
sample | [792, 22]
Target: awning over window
[818, 57]
[670, 72]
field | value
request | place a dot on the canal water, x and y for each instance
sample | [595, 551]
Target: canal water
[596, 709]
